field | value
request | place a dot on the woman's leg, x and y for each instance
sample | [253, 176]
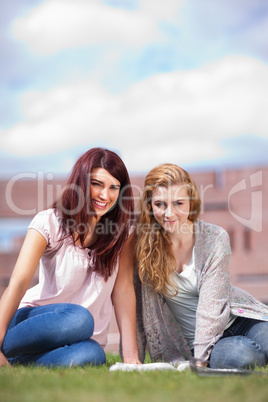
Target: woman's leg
[37, 330]
[259, 334]
[236, 352]
[243, 345]
[77, 354]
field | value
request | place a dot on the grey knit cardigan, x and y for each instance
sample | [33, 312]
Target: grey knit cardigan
[159, 332]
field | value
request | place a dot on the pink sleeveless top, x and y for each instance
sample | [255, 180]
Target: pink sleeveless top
[66, 276]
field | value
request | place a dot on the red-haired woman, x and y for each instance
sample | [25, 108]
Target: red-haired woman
[64, 319]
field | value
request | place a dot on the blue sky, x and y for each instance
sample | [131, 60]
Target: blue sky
[182, 81]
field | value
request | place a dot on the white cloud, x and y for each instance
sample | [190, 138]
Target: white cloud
[61, 24]
[180, 116]
[181, 151]
[161, 11]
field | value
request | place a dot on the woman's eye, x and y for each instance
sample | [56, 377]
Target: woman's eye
[94, 183]
[159, 204]
[114, 188]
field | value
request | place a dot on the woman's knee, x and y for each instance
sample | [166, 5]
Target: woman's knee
[259, 334]
[80, 320]
[237, 352]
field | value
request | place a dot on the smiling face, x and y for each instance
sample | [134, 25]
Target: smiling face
[171, 207]
[104, 190]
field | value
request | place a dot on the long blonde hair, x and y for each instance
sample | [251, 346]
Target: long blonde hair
[154, 255]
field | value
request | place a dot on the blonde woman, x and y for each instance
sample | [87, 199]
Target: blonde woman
[186, 305]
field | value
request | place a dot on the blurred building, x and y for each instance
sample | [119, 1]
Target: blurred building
[236, 199]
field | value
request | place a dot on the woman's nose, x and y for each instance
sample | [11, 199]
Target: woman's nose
[104, 193]
[168, 211]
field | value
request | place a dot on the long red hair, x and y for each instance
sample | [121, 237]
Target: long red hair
[77, 212]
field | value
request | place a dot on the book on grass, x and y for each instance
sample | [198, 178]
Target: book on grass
[179, 366]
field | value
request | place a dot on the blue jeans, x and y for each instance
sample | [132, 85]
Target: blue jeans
[243, 345]
[52, 335]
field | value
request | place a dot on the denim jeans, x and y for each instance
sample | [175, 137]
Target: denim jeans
[52, 335]
[243, 345]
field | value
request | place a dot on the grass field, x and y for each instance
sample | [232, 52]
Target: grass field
[28, 384]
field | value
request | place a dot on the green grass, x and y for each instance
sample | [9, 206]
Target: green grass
[31, 384]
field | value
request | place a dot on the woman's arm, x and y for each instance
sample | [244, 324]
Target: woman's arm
[213, 311]
[32, 249]
[124, 301]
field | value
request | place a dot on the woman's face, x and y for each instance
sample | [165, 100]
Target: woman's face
[104, 191]
[171, 207]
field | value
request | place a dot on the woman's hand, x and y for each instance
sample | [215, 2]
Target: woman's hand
[201, 364]
[131, 359]
[3, 360]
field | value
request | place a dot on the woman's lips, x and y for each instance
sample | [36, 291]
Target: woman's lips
[99, 204]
